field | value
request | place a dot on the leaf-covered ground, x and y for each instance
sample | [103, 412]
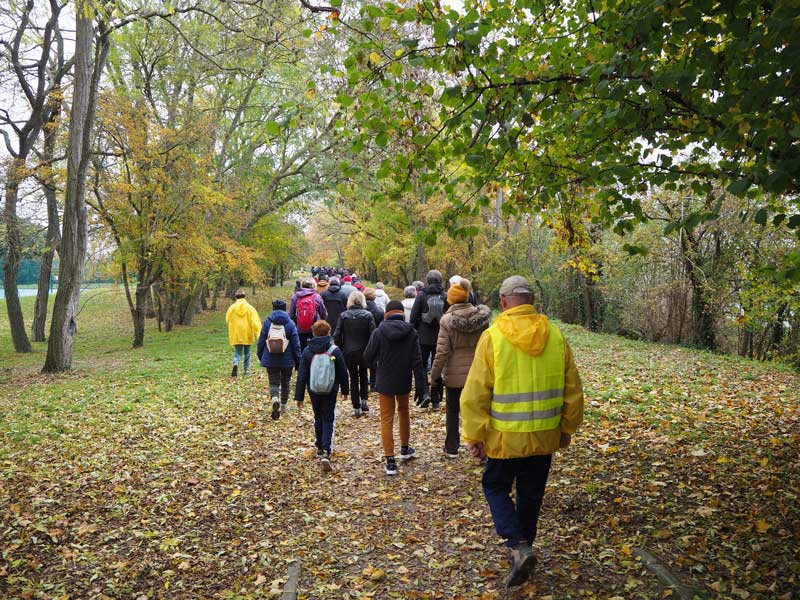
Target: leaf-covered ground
[151, 473]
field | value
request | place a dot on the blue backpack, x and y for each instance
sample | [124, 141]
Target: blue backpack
[322, 375]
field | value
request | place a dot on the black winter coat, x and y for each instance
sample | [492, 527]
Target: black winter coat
[376, 311]
[354, 330]
[428, 332]
[335, 303]
[317, 345]
[394, 348]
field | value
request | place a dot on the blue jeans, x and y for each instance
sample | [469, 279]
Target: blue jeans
[324, 420]
[238, 350]
[518, 523]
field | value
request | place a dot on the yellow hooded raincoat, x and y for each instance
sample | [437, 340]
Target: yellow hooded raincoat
[528, 332]
[244, 325]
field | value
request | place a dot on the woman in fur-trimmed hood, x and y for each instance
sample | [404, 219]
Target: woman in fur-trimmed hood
[459, 331]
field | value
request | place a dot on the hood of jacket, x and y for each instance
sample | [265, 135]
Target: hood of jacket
[322, 286]
[524, 328]
[380, 293]
[356, 313]
[334, 287]
[433, 289]
[241, 308]
[395, 329]
[303, 292]
[320, 344]
[279, 317]
[469, 319]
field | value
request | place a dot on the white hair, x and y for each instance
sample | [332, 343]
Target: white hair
[356, 298]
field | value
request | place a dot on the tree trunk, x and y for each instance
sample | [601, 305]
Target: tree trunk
[53, 233]
[75, 230]
[140, 312]
[16, 320]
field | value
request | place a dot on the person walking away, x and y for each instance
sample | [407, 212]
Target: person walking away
[418, 285]
[352, 336]
[394, 347]
[323, 372]
[473, 298]
[377, 313]
[459, 331]
[279, 351]
[409, 295]
[347, 285]
[428, 309]
[381, 297]
[305, 308]
[522, 401]
[322, 284]
[243, 327]
[335, 302]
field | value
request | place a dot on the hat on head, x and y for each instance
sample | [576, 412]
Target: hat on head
[458, 292]
[394, 307]
[516, 284]
[278, 304]
[348, 279]
[239, 293]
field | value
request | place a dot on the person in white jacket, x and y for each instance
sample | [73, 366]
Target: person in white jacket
[409, 295]
[381, 297]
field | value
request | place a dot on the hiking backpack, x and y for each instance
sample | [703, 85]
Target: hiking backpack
[306, 312]
[435, 309]
[277, 342]
[322, 374]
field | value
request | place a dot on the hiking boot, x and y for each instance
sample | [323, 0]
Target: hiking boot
[391, 465]
[364, 407]
[325, 460]
[276, 408]
[407, 453]
[234, 370]
[357, 412]
[451, 453]
[523, 562]
[284, 407]
[320, 452]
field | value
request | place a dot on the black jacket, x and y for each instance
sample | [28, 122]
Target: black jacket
[317, 345]
[376, 311]
[394, 347]
[428, 332]
[354, 330]
[335, 303]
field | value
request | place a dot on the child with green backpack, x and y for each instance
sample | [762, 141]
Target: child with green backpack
[323, 371]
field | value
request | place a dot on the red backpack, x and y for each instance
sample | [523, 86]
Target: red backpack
[306, 312]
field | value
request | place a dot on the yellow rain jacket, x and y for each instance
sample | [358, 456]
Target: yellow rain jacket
[525, 332]
[244, 325]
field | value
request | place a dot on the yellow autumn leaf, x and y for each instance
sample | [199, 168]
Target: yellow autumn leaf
[375, 58]
[762, 526]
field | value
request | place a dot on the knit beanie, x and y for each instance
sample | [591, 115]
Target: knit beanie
[458, 292]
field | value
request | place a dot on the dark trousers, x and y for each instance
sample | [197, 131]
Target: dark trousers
[279, 378]
[452, 438]
[359, 380]
[304, 337]
[324, 419]
[516, 524]
[429, 352]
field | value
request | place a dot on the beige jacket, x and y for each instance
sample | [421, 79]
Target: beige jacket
[459, 331]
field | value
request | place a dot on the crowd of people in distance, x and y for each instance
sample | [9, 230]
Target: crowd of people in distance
[512, 385]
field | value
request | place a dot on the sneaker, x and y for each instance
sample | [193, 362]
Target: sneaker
[423, 401]
[436, 406]
[407, 453]
[325, 459]
[451, 453]
[523, 562]
[234, 370]
[284, 407]
[391, 465]
[364, 407]
[357, 412]
[276, 408]
[320, 452]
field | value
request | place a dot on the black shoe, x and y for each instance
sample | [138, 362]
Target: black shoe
[325, 459]
[436, 406]
[423, 401]
[391, 465]
[364, 407]
[522, 562]
[234, 370]
[320, 452]
[407, 453]
[276, 409]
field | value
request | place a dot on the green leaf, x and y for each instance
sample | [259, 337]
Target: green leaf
[344, 100]
[382, 139]
[273, 127]
[761, 216]
[634, 250]
[794, 221]
[739, 187]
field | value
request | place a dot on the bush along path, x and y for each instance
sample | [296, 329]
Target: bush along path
[151, 473]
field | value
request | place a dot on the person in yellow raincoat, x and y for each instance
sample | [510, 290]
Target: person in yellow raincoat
[522, 401]
[244, 325]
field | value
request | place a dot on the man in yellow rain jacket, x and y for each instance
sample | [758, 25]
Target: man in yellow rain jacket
[522, 401]
[244, 326]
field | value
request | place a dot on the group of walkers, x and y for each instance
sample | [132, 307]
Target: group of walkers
[514, 382]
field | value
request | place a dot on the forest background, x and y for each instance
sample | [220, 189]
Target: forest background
[639, 161]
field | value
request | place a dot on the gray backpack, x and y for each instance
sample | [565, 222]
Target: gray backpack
[322, 375]
[435, 309]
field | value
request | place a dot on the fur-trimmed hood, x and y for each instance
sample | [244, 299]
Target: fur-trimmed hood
[465, 318]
